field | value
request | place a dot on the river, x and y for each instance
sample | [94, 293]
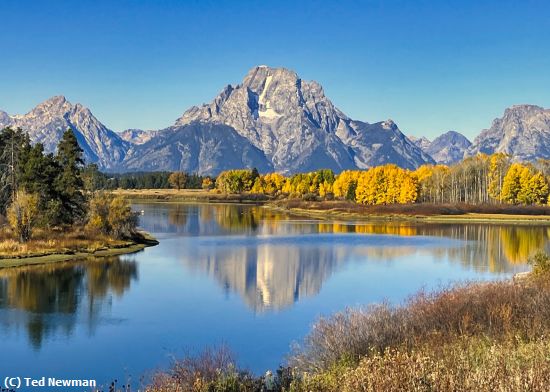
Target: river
[243, 276]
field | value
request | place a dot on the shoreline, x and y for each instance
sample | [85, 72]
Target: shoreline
[462, 218]
[138, 244]
[323, 210]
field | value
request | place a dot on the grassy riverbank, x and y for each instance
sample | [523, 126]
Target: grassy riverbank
[57, 246]
[473, 337]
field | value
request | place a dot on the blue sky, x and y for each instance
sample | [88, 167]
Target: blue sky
[430, 66]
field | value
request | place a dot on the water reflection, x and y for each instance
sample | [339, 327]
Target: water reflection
[284, 258]
[266, 276]
[269, 259]
[51, 300]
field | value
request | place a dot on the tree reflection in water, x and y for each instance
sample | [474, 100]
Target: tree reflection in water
[50, 299]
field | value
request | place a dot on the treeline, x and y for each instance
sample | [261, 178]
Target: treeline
[476, 180]
[54, 190]
[97, 180]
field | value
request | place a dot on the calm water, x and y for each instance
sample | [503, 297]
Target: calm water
[238, 275]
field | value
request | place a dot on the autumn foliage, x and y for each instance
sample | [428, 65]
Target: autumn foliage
[482, 179]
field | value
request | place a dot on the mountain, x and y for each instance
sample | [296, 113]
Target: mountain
[523, 132]
[381, 143]
[202, 148]
[137, 136]
[46, 123]
[446, 149]
[422, 142]
[299, 129]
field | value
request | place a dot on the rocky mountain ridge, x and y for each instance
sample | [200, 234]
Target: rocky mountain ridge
[275, 121]
[523, 132]
[48, 120]
[298, 127]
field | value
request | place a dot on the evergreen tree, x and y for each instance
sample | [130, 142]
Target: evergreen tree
[12, 144]
[38, 173]
[69, 183]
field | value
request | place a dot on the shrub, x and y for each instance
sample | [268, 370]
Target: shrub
[210, 371]
[98, 219]
[22, 215]
[122, 220]
[112, 216]
[541, 263]
[309, 197]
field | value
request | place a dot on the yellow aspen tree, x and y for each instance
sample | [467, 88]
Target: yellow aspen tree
[259, 186]
[364, 191]
[498, 166]
[381, 185]
[525, 195]
[511, 184]
[539, 188]
[287, 187]
[409, 189]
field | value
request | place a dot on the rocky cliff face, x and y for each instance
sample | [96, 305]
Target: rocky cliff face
[47, 122]
[382, 143]
[202, 148]
[137, 136]
[299, 129]
[422, 142]
[523, 132]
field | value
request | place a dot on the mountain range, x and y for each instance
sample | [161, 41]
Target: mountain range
[274, 121]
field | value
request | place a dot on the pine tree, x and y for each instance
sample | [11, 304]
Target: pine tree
[38, 174]
[69, 184]
[12, 144]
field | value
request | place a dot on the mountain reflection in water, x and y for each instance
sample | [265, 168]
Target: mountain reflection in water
[272, 260]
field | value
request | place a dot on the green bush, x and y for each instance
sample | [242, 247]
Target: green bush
[541, 263]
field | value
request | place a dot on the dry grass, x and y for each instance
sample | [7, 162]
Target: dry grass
[468, 364]
[188, 195]
[46, 242]
[493, 310]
